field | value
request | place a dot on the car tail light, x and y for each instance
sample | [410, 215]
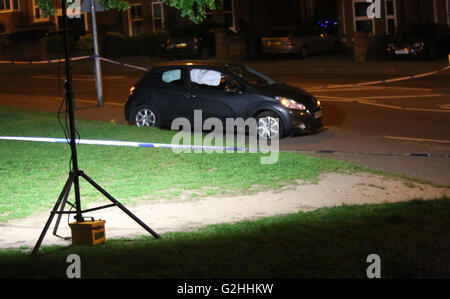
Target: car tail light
[195, 42]
[132, 90]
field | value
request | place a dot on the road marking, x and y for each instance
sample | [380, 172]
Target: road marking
[401, 97]
[417, 139]
[336, 99]
[51, 77]
[373, 103]
[343, 89]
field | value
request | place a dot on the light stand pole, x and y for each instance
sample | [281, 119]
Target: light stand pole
[97, 68]
[75, 173]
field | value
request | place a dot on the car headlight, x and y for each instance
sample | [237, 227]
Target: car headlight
[290, 103]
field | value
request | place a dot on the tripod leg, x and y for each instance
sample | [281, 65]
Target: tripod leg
[52, 214]
[58, 220]
[153, 233]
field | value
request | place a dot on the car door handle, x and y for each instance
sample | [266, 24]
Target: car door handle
[190, 95]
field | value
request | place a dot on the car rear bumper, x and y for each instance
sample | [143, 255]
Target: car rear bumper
[278, 50]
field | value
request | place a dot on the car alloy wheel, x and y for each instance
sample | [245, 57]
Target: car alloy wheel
[145, 118]
[268, 127]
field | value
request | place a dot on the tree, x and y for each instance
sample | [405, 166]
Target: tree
[194, 9]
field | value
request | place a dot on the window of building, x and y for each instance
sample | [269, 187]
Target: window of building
[158, 16]
[361, 22]
[391, 16]
[448, 12]
[37, 14]
[136, 19]
[228, 14]
[9, 5]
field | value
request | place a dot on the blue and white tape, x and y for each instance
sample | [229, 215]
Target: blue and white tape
[124, 64]
[208, 148]
[44, 61]
[125, 143]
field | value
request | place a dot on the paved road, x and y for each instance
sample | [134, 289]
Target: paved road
[375, 126]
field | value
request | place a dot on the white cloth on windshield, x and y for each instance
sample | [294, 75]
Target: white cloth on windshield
[206, 77]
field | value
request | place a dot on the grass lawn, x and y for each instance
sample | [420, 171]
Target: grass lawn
[410, 238]
[32, 174]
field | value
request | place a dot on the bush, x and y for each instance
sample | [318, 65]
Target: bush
[55, 44]
[117, 45]
[86, 43]
[114, 45]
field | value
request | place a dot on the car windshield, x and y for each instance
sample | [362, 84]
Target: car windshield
[252, 76]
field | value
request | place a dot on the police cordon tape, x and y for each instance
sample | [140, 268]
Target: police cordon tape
[123, 143]
[44, 61]
[328, 86]
[208, 148]
[71, 59]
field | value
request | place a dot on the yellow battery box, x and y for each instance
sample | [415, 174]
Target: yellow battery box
[88, 232]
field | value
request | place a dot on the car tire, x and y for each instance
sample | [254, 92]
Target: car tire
[145, 116]
[304, 52]
[269, 125]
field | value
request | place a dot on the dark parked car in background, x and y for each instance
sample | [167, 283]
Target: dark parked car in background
[221, 90]
[299, 40]
[426, 41]
[191, 41]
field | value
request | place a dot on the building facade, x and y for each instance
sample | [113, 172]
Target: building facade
[393, 14]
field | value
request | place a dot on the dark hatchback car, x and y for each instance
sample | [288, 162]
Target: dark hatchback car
[191, 41]
[425, 41]
[221, 90]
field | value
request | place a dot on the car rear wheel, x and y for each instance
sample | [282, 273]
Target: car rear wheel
[304, 52]
[145, 116]
[269, 125]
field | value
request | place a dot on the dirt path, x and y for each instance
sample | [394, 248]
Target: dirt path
[187, 214]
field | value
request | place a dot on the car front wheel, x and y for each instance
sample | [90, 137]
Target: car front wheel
[269, 126]
[145, 116]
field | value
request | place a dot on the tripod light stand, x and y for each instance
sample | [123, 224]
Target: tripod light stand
[76, 173]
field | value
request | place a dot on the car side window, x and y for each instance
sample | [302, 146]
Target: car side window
[207, 79]
[173, 77]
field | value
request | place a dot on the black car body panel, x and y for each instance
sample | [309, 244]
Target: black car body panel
[182, 98]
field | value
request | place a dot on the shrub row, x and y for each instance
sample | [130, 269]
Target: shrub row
[113, 44]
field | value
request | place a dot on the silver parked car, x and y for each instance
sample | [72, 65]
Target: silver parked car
[299, 40]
